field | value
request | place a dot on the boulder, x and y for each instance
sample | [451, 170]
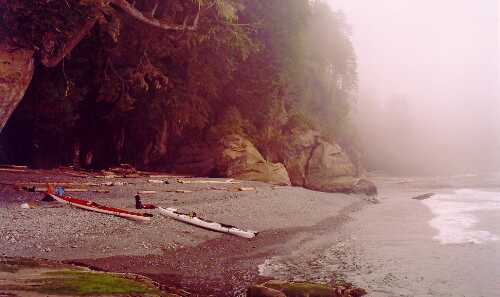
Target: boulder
[317, 164]
[326, 163]
[364, 186]
[296, 154]
[16, 71]
[261, 291]
[238, 158]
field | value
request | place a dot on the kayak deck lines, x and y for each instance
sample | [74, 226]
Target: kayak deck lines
[206, 224]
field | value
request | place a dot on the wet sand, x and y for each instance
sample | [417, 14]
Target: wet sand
[390, 248]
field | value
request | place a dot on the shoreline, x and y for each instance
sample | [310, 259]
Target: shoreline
[172, 253]
[410, 260]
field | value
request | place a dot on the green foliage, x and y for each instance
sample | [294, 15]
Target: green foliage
[128, 89]
[38, 23]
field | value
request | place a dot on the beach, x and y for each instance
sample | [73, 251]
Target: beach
[391, 246]
[173, 253]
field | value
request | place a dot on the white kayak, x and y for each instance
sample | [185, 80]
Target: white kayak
[194, 220]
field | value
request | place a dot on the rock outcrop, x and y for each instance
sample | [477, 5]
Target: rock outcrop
[314, 163]
[16, 71]
[276, 288]
[237, 157]
[309, 161]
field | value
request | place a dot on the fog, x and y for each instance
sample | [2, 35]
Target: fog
[429, 85]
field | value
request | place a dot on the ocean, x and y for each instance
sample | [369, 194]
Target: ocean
[444, 246]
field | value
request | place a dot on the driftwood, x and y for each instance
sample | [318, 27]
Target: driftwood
[180, 191]
[156, 176]
[14, 166]
[77, 174]
[229, 181]
[13, 170]
[146, 192]
[156, 181]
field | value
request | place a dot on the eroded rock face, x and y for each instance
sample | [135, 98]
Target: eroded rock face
[238, 158]
[316, 164]
[327, 163]
[16, 71]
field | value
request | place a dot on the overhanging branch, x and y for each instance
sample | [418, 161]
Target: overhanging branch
[138, 15]
[51, 61]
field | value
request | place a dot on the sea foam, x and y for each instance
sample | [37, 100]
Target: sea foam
[456, 215]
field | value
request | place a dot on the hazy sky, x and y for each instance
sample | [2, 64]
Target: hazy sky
[442, 56]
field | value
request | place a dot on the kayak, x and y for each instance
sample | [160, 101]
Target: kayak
[92, 206]
[194, 220]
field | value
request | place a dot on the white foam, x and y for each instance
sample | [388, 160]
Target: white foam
[455, 215]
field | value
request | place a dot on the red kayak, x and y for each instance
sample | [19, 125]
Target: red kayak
[89, 205]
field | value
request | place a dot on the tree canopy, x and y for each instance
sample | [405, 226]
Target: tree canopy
[130, 81]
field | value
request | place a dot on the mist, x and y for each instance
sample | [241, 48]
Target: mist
[428, 100]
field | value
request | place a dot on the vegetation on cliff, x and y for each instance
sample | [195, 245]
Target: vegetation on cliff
[122, 82]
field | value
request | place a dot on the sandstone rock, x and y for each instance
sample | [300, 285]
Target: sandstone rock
[16, 71]
[327, 162]
[317, 164]
[296, 154]
[238, 158]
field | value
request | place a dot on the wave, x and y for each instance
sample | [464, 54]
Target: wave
[456, 215]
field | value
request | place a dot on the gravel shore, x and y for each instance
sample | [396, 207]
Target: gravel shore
[168, 251]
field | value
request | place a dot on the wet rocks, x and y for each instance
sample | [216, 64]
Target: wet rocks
[423, 196]
[303, 289]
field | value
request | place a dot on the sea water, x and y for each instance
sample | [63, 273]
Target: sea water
[458, 216]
